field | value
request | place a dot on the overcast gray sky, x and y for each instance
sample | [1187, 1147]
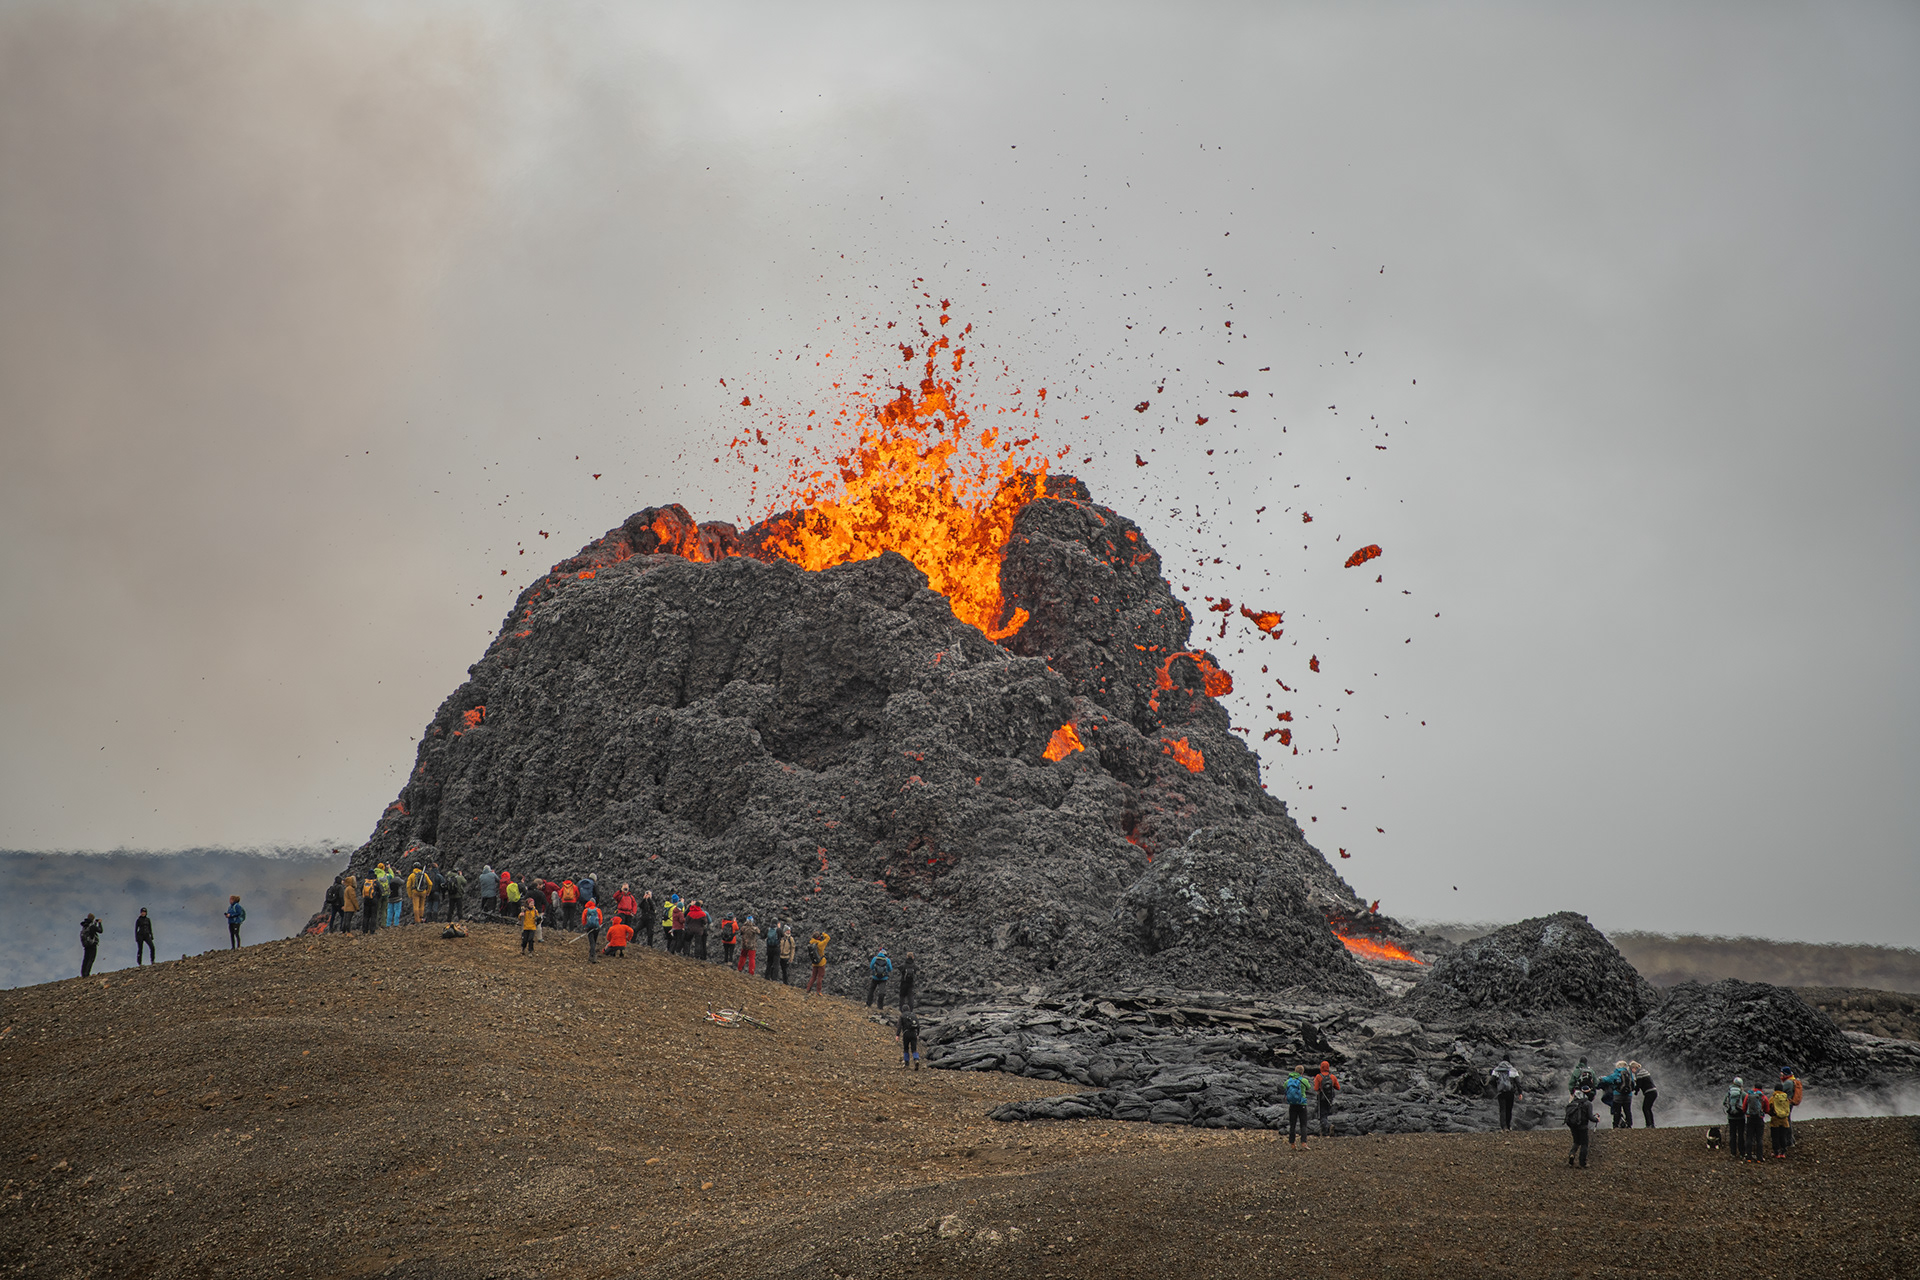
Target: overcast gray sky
[306, 312]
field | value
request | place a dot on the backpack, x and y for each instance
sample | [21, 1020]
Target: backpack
[591, 916]
[1782, 1105]
[1583, 1081]
[817, 950]
[1326, 1091]
[1734, 1100]
[1576, 1114]
[1503, 1082]
[1756, 1103]
[1296, 1090]
[881, 968]
[569, 891]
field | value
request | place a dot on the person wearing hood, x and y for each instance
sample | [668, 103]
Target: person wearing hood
[626, 906]
[1734, 1103]
[370, 911]
[350, 897]
[143, 938]
[90, 931]
[676, 926]
[236, 916]
[419, 886]
[909, 973]
[782, 954]
[697, 928]
[1580, 1120]
[645, 915]
[1754, 1112]
[1582, 1081]
[487, 885]
[879, 970]
[1297, 1091]
[1325, 1086]
[1505, 1082]
[749, 948]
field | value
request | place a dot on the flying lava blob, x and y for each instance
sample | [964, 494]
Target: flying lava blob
[1363, 555]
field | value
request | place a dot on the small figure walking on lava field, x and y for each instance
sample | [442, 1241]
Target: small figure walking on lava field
[1506, 1091]
[909, 1032]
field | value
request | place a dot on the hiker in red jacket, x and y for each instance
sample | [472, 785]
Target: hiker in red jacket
[729, 935]
[626, 906]
[1325, 1085]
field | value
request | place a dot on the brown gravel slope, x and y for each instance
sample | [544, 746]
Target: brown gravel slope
[411, 1107]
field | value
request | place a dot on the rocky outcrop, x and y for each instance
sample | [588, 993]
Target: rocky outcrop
[1750, 1029]
[837, 749]
[1558, 968]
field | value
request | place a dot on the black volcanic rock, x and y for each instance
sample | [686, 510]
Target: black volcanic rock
[837, 749]
[1752, 1029]
[1559, 967]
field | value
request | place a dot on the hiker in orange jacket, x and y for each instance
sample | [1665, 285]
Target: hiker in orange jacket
[729, 937]
[619, 934]
[1325, 1085]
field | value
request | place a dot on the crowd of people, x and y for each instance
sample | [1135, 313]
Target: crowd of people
[1749, 1109]
[574, 905]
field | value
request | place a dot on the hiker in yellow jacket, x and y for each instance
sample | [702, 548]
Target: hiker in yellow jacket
[418, 886]
[1780, 1117]
[529, 924]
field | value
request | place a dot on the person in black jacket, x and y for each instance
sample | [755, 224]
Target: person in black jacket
[336, 906]
[90, 930]
[909, 1032]
[1580, 1119]
[649, 909]
[143, 938]
[909, 970]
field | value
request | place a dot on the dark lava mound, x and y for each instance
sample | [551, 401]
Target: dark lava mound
[678, 708]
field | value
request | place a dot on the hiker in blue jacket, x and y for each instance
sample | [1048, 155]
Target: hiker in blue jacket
[236, 916]
[1297, 1091]
[1616, 1090]
[879, 969]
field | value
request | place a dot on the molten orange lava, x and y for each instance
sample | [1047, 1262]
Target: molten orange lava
[475, 716]
[1186, 755]
[1374, 949]
[1217, 682]
[1267, 620]
[1363, 555]
[1063, 743]
[923, 481]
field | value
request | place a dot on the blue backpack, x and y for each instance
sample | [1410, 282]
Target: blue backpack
[591, 916]
[880, 967]
[1296, 1090]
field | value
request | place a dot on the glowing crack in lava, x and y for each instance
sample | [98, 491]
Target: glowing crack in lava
[1063, 743]
[923, 481]
[1375, 949]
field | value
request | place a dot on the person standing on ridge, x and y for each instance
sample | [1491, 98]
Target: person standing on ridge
[1734, 1103]
[697, 928]
[1580, 1119]
[879, 970]
[350, 897]
[1325, 1086]
[1755, 1112]
[909, 973]
[370, 907]
[590, 921]
[1791, 1083]
[729, 939]
[333, 905]
[1780, 1117]
[1505, 1082]
[529, 924]
[143, 938]
[90, 931]
[1643, 1085]
[487, 883]
[749, 948]
[391, 888]
[783, 955]
[909, 1032]
[817, 952]
[236, 916]
[645, 917]
[419, 885]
